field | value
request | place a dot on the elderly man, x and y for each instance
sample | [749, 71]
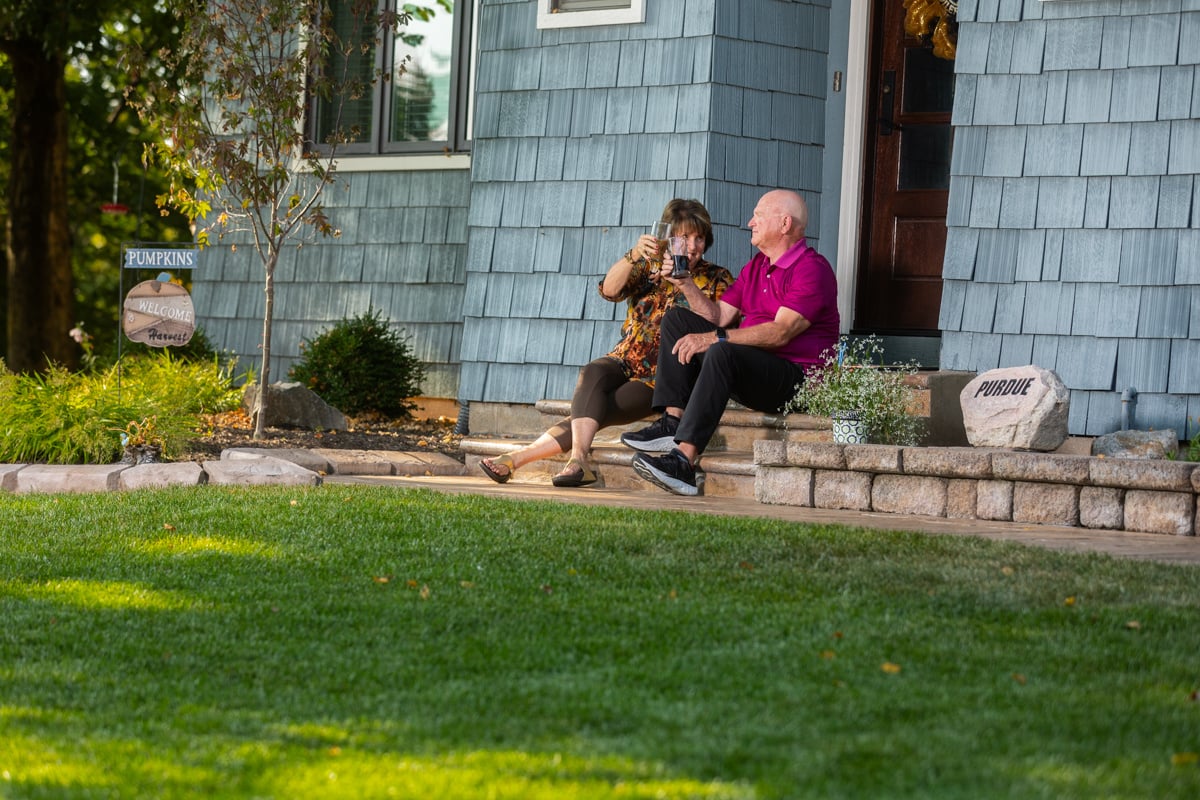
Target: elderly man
[785, 305]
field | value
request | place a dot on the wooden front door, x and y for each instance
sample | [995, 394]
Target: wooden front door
[907, 181]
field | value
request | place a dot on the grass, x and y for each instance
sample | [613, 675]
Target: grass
[365, 642]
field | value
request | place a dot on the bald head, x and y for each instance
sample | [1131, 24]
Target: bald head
[790, 204]
[779, 221]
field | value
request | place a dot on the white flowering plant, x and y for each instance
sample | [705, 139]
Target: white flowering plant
[853, 381]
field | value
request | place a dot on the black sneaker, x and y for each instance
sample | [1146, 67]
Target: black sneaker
[658, 437]
[672, 472]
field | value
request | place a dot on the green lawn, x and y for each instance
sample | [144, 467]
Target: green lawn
[365, 642]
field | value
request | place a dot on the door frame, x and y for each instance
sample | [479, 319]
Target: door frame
[856, 81]
[925, 350]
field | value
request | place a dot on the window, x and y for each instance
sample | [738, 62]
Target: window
[580, 13]
[421, 103]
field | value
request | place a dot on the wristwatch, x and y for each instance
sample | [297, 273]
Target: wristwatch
[721, 335]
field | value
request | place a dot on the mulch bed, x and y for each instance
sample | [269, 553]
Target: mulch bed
[233, 429]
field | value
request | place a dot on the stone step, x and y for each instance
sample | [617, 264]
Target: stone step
[739, 427]
[722, 473]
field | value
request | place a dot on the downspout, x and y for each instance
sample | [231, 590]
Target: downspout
[1128, 408]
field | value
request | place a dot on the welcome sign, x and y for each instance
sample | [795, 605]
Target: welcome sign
[159, 314]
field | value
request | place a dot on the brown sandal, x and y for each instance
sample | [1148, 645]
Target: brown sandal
[574, 474]
[488, 465]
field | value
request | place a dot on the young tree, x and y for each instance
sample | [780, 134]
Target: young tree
[238, 154]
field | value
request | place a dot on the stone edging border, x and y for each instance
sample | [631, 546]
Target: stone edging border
[1154, 496]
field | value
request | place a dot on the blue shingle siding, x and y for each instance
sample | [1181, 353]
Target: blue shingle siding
[1016, 351]
[1164, 313]
[979, 307]
[1105, 149]
[1018, 205]
[1087, 363]
[1061, 202]
[1109, 110]
[1175, 92]
[1010, 308]
[1143, 365]
[1175, 201]
[997, 259]
[1148, 257]
[1053, 150]
[1005, 152]
[1187, 267]
[1096, 207]
[1073, 44]
[1184, 377]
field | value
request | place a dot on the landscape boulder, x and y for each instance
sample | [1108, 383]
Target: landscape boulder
[1136, 444]
[293, 405]
[1024, 408]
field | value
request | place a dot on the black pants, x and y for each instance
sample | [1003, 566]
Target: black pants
[604, 394]
[753, 377]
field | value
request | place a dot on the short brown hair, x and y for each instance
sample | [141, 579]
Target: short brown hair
[690, 214]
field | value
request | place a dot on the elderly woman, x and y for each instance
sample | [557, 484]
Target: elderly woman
[616, 389]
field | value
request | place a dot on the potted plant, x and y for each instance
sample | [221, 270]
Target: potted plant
[141, 442]
[867, 400]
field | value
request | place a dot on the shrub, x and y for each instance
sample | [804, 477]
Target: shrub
[854, 380]
[69, 418]
[361, 364]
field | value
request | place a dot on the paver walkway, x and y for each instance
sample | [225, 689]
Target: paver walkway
[1125, 544]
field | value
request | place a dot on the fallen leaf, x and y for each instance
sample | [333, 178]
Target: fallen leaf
[382, 578]
[412, 584]
[168, 526]
[1184, 759]
[828, 655]
[295, 503]
[1019, 678]
[547, 588]
[746, 565]
[838, 634]
[1133, 625]
[467, 584]
[890, 668]
[422, 443]
[1006, 570]
[1070, 601]
[425, 592]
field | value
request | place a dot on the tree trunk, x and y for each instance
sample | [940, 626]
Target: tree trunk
[264, 378]
[40, 286]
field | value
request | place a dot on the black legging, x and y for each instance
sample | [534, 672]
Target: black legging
[754, 377]
[604, 394]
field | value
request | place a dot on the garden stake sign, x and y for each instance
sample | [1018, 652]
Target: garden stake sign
[159, 312]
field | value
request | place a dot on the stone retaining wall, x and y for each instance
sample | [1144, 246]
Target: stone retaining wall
[968, 483]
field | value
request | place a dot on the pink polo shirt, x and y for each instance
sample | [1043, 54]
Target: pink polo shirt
[801, 280]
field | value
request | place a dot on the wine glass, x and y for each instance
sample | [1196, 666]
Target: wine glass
[679, 257]
[661, 231]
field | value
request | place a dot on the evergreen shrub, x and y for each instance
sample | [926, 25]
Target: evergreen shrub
[361, 365]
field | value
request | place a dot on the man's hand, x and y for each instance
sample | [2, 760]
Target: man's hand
[693, 345]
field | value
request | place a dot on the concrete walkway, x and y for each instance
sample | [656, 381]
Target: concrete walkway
[1124, 544]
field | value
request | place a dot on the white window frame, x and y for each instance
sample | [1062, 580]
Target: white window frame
[547, 17]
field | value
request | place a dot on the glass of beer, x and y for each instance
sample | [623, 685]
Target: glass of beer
[679, 257]
[661, 231]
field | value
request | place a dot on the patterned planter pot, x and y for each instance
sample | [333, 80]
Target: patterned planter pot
[848, 428]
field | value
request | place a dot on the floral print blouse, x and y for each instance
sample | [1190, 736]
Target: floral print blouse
[648, 301]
